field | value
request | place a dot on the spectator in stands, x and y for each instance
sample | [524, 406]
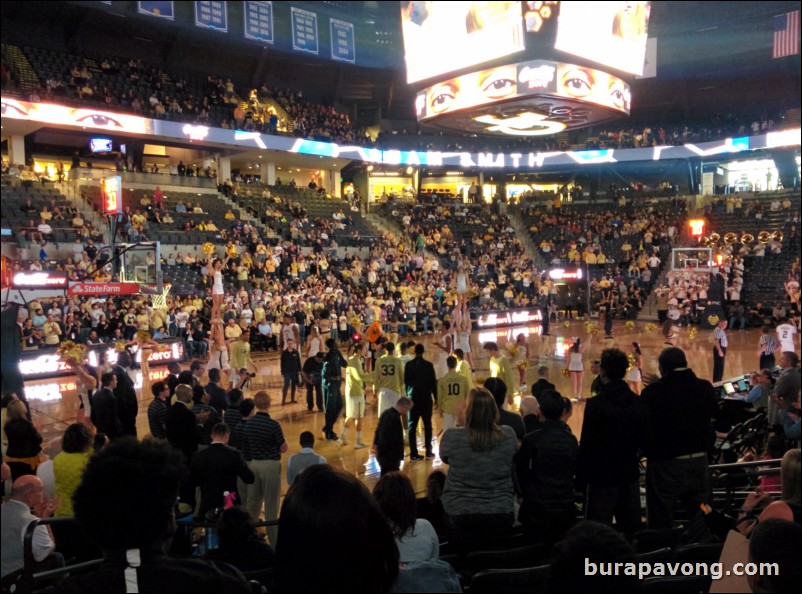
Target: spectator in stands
[216, 469]
[24, 451]
[612, 435]
[679, 408]
[511, 419]
[239, 544]
[759, 505]
[325, 503]
[157, 410]
[142, 480]
[27, 493]
[545, 469]
[478, 496]
[263, 442]
[307, 457]
[590, 542]
[415, 538]
[763, 548]
[69, 464]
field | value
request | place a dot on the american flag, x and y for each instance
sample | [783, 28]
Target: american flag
[786, 35]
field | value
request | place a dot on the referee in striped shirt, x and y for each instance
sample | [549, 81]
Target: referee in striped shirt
[719, 350]
[263, 444]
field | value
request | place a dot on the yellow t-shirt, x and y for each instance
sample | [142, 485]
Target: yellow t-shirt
[464, 369]
[451, 389]
[389, 373]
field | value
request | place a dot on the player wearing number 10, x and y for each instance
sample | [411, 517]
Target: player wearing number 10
[452, 389]
[389, 374]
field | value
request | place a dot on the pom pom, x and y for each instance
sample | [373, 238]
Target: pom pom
[630, 325]
[143, 336]
[208, 248]
[120, 345]
[71, 353]
[565, 372]
[566, 324]
[650, 327]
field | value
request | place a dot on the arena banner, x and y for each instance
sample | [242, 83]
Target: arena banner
[259, 21]
[211, 138]
[45, 363]
[507, 317]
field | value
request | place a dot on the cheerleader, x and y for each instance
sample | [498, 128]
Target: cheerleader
[634, 377]
[218, 350]
[521, 359]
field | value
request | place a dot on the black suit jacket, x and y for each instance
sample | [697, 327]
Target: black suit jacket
[389, 439]
[420, 381]
[104, 413]
[127, 403]
[540, 385]
[215, 469]
[183, 431]
[217, 398]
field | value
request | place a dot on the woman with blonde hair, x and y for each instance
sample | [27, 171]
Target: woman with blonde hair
[478, 496]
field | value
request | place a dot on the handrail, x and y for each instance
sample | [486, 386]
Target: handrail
[775, 463]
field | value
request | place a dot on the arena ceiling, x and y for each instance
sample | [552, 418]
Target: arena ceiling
[713, 57]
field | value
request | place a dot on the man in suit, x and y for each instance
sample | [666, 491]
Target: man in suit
[104, 407]
[191, 377]
[183, 429]
[174, 367]
[680, 407]
[216, 469]
[388, 443]
[421, 384]
[542, 384]
[217, 395]
[125, 393]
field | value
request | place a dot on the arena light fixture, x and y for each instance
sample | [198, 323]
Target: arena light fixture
[527, 123]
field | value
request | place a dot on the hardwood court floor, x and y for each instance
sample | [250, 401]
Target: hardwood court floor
[55, 414]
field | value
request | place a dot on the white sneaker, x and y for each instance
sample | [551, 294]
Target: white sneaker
[341, 441]
[359, 445]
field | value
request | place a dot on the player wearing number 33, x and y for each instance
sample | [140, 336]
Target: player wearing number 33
[389, 378]
[421, 385]
[452, 390]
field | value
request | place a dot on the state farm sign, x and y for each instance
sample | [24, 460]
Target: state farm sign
[104, 289]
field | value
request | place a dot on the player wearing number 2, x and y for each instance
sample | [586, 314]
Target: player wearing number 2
[388, 378]
[452, 389]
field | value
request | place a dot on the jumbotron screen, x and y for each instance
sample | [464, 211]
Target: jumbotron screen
[442, 37]
[530, 98]
[612, 34]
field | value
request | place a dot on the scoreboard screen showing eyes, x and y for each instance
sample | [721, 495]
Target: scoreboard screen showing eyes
[112, 195]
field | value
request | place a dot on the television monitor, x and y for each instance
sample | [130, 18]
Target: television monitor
[100, 145]
[729, 388]
[123, 149]
[441, 37]
[612, 34]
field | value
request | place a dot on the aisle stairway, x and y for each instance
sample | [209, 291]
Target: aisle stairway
[522, 232]
[16, 60]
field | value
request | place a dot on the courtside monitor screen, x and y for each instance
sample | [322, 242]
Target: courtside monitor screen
[443, 36]
[100, 145]
[611, 34]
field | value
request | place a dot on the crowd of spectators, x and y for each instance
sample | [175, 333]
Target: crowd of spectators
[152, 92]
